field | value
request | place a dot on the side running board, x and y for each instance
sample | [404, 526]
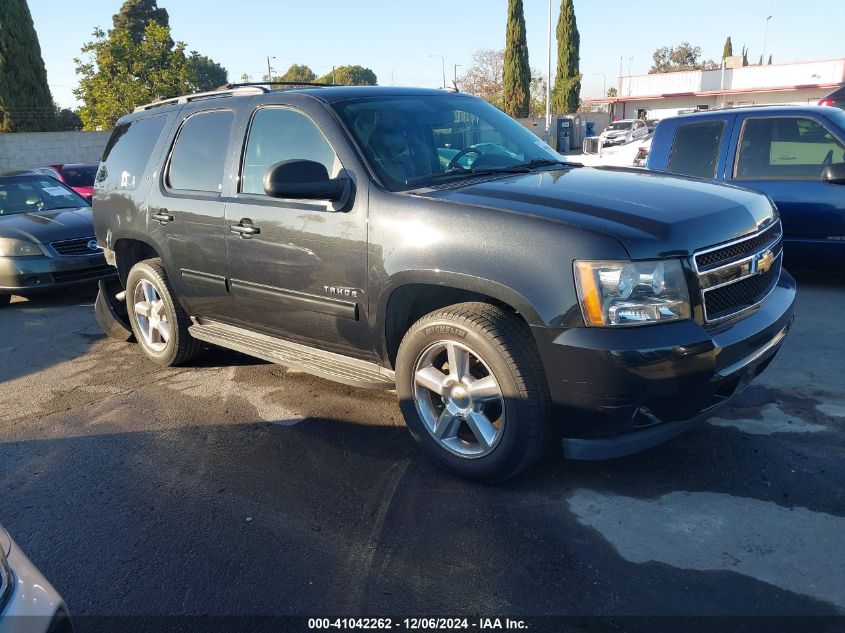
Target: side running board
[336, 367]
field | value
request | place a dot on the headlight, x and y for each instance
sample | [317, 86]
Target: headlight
[631, 293]
[17, 248]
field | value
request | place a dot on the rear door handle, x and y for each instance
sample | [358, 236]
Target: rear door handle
[244, 230]
[162, 216]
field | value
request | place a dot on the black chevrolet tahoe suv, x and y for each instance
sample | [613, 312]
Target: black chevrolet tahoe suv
[424, 241]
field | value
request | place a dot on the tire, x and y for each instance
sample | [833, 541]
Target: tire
[497, 344]
[178, 346]
[5, 300]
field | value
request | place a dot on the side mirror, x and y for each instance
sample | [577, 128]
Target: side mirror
[834, 174]
[303, 180]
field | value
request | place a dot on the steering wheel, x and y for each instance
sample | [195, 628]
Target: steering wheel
[457, 157]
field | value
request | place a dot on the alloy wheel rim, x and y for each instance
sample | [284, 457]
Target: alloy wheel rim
[151, 316]
[459, 399]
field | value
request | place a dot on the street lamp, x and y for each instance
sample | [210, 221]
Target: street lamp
[766, 37]
[443, 63]
[456, 74]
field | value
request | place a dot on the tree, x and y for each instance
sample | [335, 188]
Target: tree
[728, 51]
[770, 60]
[300, 72]
[26, 104]
[350, 76]
[484, 77]
[67, 120]
[611, 92]
[567, 90]
[760, 63]
[669, 59]
[537, 106]
[204, 73]
[516, 78]
[134, 16]
[120, 74]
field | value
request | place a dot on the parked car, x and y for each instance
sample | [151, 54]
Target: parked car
[624, 131]
[835, 98]
[28, 602]
[641, 159]
[651, 124]
[793, 154]
[77, 176]
[46, 236]
[509, 303]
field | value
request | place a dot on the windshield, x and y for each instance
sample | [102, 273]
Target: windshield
[414, 141]
[80, 175]
[620, 125]
[28, 194]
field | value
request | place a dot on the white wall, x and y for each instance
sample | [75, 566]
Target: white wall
[35, 149]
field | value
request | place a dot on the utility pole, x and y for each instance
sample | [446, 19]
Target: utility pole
[269, 68]
[443, 64]
[549, 78]
[766, 37]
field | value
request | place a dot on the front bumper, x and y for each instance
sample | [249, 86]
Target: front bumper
[617, 392]
[29, 275]
[34, 605]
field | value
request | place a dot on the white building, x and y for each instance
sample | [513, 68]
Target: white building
[666, 94]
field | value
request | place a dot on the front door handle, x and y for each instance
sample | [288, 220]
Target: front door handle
[162, 216]
[245, 229]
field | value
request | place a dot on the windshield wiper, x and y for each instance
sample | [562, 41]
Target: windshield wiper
[518, 168]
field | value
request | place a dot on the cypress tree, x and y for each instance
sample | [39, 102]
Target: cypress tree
[26, 104]
[134, 16]
[516, 79]
[567, 90]
[728, 51]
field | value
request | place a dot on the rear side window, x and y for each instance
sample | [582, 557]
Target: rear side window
[127, 153]
[695, 151]
[199, 154]
[279, 134]
[786, 148]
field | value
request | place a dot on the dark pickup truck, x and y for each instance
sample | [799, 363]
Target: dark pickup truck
[425, 241]
[793, 154]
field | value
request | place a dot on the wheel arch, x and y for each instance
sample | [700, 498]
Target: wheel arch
[129, 251]
[412, 295]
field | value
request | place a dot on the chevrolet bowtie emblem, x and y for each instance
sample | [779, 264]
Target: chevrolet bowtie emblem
[762, 262]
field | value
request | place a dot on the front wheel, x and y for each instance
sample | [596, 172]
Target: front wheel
[158, 320]
[473, 392]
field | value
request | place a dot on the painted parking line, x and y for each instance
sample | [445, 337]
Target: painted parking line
[795, 549]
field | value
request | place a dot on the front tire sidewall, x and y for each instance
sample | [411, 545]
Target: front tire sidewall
[507, 453]
[143, 271]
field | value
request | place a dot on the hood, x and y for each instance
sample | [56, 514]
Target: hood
[48, 226]
[652, 214]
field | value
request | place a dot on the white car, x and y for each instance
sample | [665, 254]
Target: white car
[28, 603]
[624, 131]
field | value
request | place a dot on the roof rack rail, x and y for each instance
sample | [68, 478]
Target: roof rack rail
[223, 91]
[310, 84]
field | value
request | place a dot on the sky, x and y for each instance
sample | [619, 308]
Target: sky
[396, 38]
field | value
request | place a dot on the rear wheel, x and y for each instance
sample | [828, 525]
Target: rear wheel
[158, 320]
[473, 391]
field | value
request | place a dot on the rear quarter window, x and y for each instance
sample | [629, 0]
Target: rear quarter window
[695, 150]
[127, 153]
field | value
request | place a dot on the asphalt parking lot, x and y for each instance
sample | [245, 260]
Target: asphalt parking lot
[238, 487]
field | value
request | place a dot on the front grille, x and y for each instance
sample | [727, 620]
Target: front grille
[737, 250]
[75, 248]
[723, 302]
[733, 277]
[86, 273]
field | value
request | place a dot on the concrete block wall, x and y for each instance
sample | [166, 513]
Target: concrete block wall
[36, 149]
